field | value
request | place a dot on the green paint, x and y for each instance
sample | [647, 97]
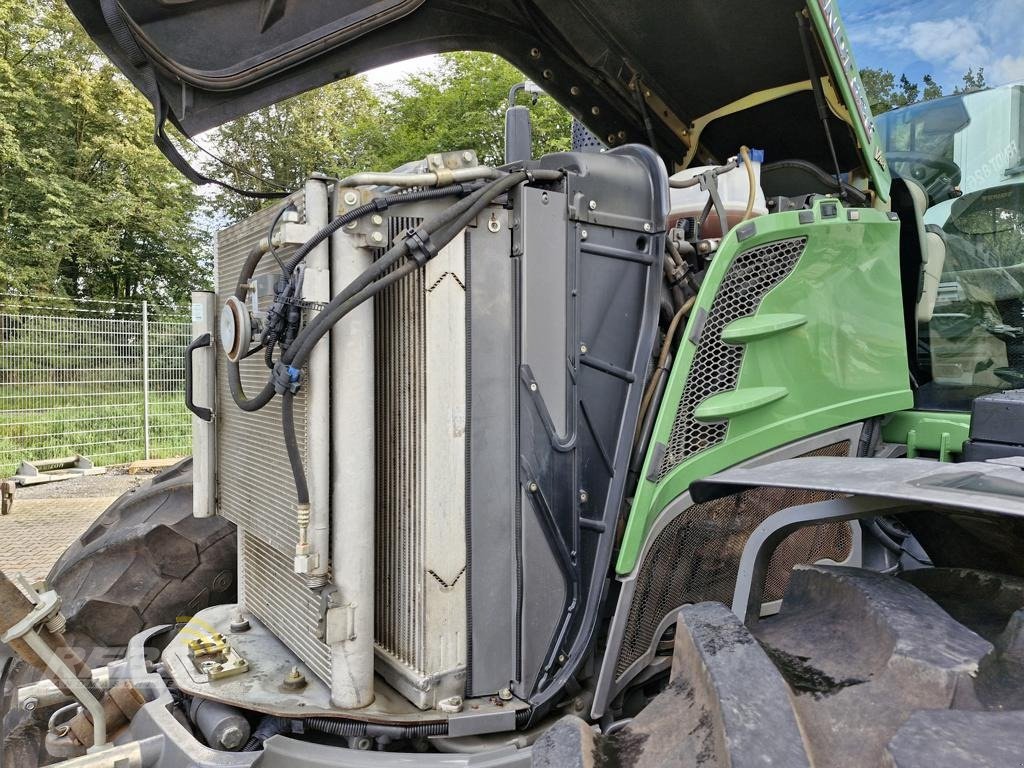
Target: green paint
[847, 362]
[750, 328]
[824, 15]
[928, 431]
[728, 405]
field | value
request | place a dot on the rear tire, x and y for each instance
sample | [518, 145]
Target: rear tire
[144, 562]
[857, 669]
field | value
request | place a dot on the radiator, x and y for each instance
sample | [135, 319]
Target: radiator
[254, 484]
[420, 411]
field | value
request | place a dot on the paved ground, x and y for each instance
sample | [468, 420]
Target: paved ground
[46, 518]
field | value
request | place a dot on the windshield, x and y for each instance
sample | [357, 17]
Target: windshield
[966, 152]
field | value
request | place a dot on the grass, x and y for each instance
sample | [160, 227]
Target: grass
[107, 428]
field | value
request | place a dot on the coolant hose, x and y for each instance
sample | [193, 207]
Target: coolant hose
[751, 182]
[291, 445]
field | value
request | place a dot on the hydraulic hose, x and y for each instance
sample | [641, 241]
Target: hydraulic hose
[751, 183]
[291, 445]
[439, 231]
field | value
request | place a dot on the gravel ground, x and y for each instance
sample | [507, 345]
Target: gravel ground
[115, 482]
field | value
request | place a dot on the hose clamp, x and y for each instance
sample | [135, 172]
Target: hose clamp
[421, 248]
[286, 378]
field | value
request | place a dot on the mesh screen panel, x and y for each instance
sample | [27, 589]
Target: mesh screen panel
[716, 365]
[696, 556]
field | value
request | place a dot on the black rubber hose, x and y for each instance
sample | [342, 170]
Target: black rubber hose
[291, 444]
[377, 205]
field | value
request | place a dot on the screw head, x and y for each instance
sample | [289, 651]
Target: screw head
[231, 737]
[584, 497]
[533, 487]
[583, 349]
[30, 704]
[351, 198]
[592, 205]
[647, 226]
[533, 386]
[575, 90]
[377, 219]
[361, 743]
[535, 53]
[583, 234]
[377, 237]
[505, 694]
[467, 156]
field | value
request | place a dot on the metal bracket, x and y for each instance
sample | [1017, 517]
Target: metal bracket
[215, 658]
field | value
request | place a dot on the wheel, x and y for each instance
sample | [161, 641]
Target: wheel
[857, 669]
[145, 561]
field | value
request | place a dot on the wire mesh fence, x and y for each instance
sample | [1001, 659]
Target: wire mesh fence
[96, 378]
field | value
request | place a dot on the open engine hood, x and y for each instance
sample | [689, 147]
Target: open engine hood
[703, 77]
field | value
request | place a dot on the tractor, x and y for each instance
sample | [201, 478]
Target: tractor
[698, 444]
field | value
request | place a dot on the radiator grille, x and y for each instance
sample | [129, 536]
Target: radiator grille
[716, 365]
[251, 443]
[400, 397]
[696, 556]
[420, 402]
[280, 599]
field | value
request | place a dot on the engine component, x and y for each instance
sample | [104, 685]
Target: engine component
[482, 410]
[222, 726]
[997, 426]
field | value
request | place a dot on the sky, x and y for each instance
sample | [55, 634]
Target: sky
[943, 38]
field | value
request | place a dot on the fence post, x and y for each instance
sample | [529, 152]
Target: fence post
[145, 373]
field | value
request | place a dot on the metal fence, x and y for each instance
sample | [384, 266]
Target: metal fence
[102, 379]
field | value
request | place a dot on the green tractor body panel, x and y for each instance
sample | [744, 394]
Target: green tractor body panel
[823, 348]
[832, 32]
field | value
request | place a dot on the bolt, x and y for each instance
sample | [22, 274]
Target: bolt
[595, 111]
[467, 156]
[583, 234]
[493, 225]
[592, 205]
[544, 198]
[647, 226]
[351, 198]
[362, 743]
[535, 53]
[533, 386]
[561, 658]
[577, 704]
[505, 694]
[584, 497]
[575, 90]
[533, 487]
[294, 679]
[231, 737]
[377, 219]
[548, 74]
[30, 704]
[352, 225]
[377, 237]
[239, 623]
[583, 349]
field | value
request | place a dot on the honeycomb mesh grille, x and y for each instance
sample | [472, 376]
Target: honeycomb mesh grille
[696, 556]
[716, 365]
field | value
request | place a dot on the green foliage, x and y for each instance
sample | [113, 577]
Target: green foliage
[885, 93]
[972, 81]
[88, 206]
[348, 126]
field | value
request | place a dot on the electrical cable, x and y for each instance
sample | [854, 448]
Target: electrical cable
[751, 183]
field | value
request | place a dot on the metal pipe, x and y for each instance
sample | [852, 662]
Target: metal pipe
[204, 443]
[428, 179]
[76, 686]
[353, 499]
[316, 287]
[45, 694]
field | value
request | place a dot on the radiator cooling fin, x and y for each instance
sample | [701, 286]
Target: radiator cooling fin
[716, 365]
[696, 556]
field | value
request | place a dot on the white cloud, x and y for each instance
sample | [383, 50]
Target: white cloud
[954, 43]
[1005, 69]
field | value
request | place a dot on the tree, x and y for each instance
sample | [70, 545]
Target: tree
[348, 126]
[338, 129]
[88, 206]
[972, 81]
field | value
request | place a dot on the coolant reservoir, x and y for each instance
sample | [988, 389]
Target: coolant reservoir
[734, 189]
